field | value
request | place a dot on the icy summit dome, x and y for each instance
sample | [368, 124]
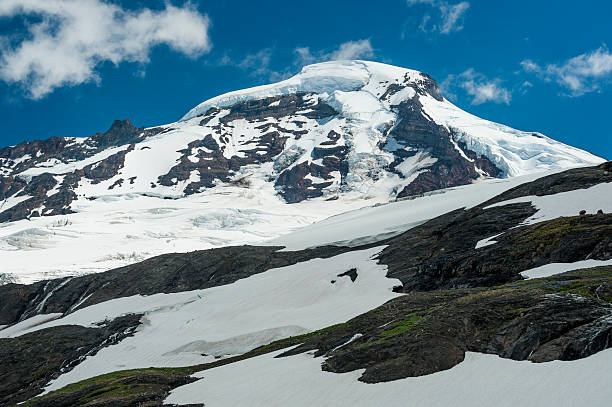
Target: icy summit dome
[321, 78]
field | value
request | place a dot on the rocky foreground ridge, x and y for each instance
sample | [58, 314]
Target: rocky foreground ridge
[454, 295]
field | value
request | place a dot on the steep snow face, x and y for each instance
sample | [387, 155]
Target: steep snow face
[378, 222]
[337, 136]
[514, 152]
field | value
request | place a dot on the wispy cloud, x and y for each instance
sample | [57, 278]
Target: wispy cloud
[348, 50]
[578, 75]
[260, 64]
[477, 86]
[449, 19]
[353, 50]
[69, 39]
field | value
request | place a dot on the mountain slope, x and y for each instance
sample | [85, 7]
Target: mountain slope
[337, 136]
[417, 303]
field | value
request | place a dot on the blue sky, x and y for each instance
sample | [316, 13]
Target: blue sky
[70, 67]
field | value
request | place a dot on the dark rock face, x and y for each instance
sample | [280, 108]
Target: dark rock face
[416, 132]
[295, 187]
[426, 332]
[48, 148]
[279, 106]
[38, 188]
[121, 133]
[212, 166]
[577, 178]
[352, 274]
[107, 168]
[442, 251]
[30, 361]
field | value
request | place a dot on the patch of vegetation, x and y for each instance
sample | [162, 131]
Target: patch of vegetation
[402, 326]
[594, 283]
[128, 387]
[550, 233]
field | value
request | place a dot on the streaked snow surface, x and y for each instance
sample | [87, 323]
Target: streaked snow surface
[479, 381]
[114, 231]
[551, 269]
[178, 328]
[381, 221]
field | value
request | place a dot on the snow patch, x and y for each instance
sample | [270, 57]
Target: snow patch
[551, 269]
[487, 242]
[490, 381]
[234, 317]
[568, 203]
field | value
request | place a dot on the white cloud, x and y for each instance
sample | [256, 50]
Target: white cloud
[360, 49]
[450, 15]
[69, 39]
[257, 60]
[477, 86]
[525, 86]
[353, 50]
[579, 75]
[530, 66]
[260, 64]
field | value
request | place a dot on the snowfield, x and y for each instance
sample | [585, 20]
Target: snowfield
[479, 381]
[179, 328]
[551, 269]
[114, 231]
[381, 221]
[570, 203]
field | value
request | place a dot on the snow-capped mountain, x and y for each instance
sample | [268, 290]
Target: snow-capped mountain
[337, 136]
